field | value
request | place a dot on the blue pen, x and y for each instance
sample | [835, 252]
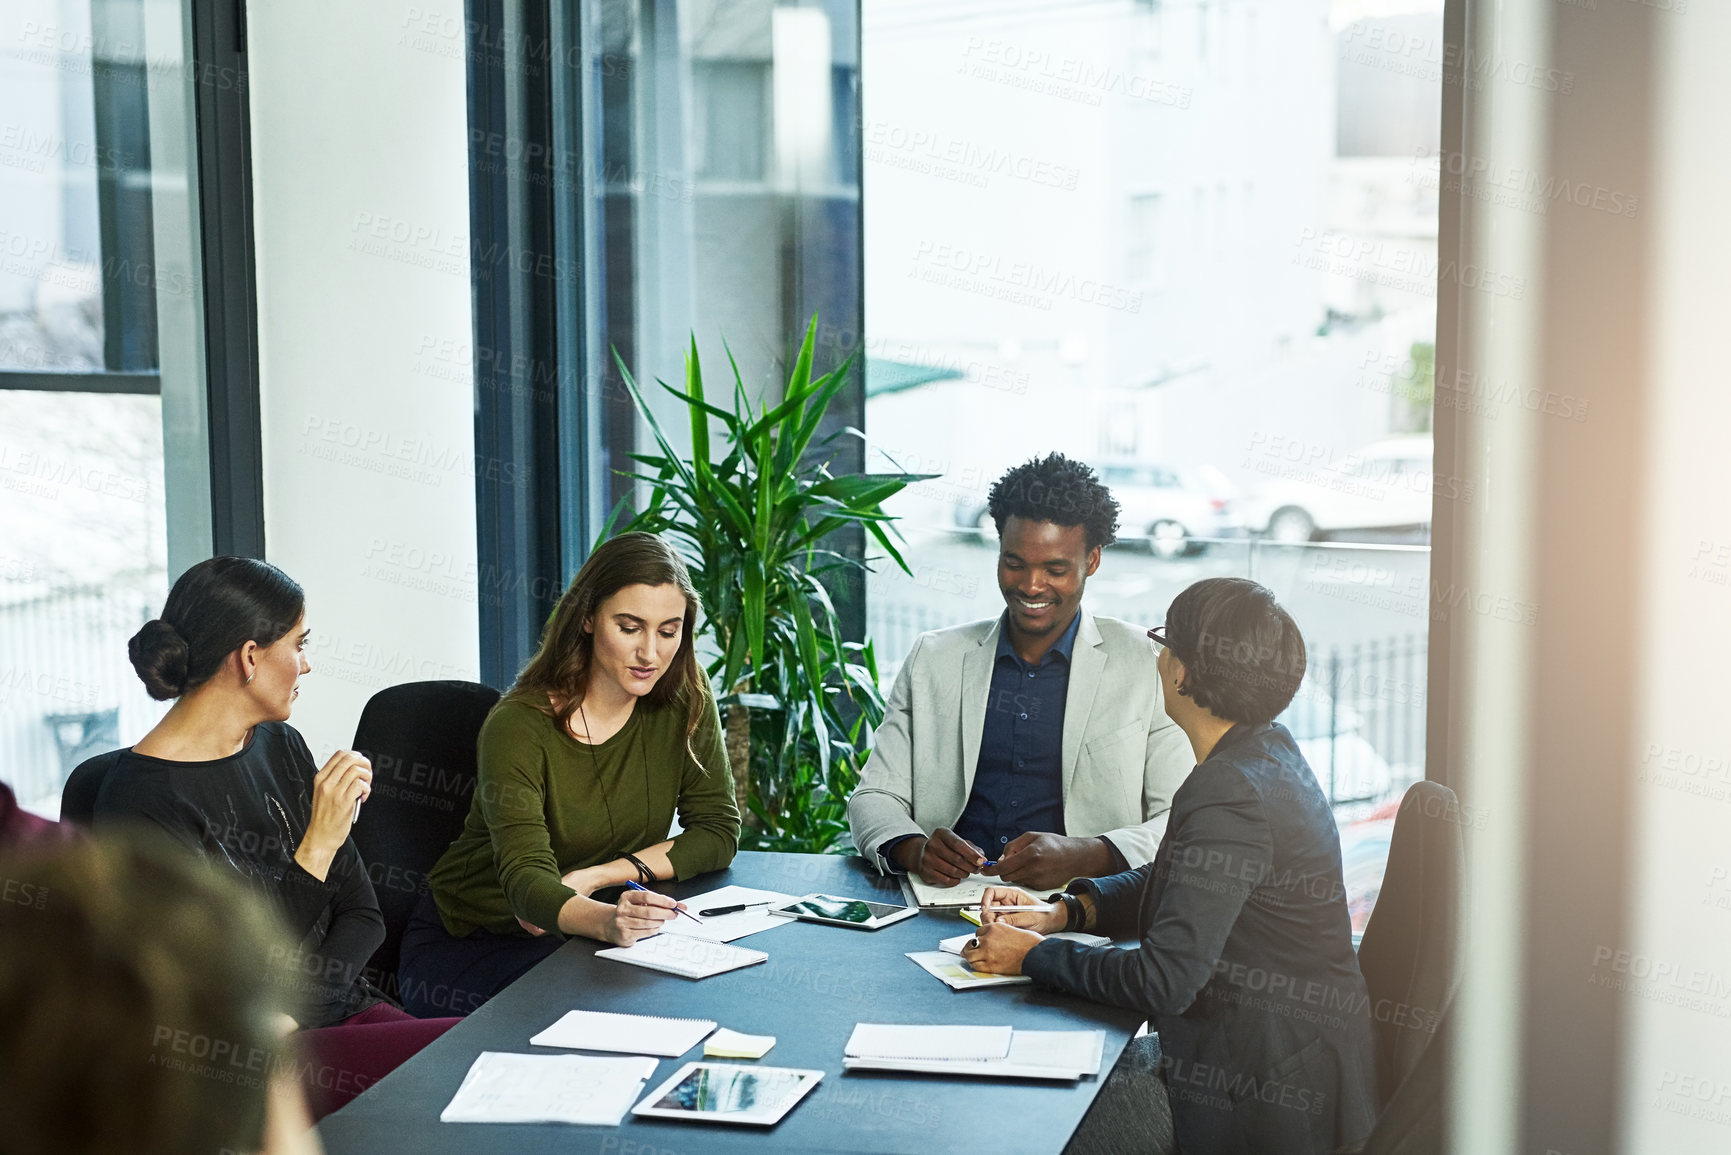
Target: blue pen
[646, 890]
[993, 862]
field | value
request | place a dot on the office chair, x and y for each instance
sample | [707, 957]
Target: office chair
[1414, 1120]
[421, 739]
[1410, 952]
[78, 796]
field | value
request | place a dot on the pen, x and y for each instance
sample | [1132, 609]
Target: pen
[1005, 909]
[735, 909]
[680, 910]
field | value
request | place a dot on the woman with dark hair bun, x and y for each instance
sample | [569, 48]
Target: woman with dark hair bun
[609, 730]
[1246, 966]
[225, 776]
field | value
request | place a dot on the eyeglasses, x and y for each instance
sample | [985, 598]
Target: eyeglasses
[1158, 635]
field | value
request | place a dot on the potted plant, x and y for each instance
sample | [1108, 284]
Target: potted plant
[801, 701]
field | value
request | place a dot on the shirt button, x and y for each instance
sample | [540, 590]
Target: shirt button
[1030, 673]
[1015, 804]
[1024, 717]
[1003, 840]
[1020, 762]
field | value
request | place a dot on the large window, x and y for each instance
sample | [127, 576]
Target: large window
[699, 176]
[1194, 244]
[84, 551]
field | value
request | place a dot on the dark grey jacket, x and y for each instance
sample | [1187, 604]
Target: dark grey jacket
[1246, 966]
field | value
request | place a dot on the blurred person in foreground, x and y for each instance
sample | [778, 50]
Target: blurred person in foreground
[1029, 746]
[1245, 965]
[135, 1010]
[225, 776]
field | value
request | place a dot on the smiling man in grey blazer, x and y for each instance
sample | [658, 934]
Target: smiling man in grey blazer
[1036, 739]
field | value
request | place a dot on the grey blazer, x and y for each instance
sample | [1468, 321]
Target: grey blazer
[1123, 757]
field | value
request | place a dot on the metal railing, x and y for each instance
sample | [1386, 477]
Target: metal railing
[67, 689]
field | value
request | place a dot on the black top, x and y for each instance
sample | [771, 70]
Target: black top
[1246, 966]
[1019, 780]
[248, 812]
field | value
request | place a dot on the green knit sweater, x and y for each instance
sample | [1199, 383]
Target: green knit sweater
[546, 804]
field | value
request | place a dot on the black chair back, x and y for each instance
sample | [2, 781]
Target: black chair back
[78, 796]
[1415, 1119]
[1410, 951]
[421, 739]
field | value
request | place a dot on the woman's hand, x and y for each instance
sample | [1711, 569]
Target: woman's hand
[345, 780]
[1000, 949]
[638, 914]
[1050, 917]
[534, 931]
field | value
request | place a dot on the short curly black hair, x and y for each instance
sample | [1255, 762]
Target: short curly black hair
[1243, 656]
[1056, 489]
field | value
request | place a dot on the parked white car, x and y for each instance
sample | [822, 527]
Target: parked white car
[1170, 508]
[1387, 485]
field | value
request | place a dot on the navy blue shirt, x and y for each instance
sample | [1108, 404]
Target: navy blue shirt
[1019, 781]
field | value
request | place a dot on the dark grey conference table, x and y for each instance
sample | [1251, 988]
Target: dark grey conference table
[819, 981]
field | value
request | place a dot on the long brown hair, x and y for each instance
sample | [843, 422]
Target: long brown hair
[559, 671]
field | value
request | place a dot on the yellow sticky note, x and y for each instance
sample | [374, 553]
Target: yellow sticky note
[726, 1044]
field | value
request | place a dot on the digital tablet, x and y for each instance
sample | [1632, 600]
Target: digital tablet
[854, 912]
[729, 1093]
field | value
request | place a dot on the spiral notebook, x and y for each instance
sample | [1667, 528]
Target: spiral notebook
[625, 1034]
[682, 955]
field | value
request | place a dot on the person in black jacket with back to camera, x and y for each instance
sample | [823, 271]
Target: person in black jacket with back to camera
[1245, 965]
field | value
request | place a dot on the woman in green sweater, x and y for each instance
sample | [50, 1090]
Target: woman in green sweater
[609, 730]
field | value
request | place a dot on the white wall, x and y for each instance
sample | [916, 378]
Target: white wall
[361, 226]
[1677, 1066]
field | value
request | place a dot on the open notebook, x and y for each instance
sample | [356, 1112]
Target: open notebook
[965, 893]
[583, 1089]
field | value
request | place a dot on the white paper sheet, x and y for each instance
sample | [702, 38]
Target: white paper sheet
[680, 954]
[626, 1034]
[906, 1041]
[1032, 1055]
[727, 927]
[583, 1089]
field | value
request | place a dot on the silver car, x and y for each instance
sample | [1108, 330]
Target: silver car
[1169, 508]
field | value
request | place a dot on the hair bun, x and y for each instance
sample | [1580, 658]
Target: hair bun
[160, 654]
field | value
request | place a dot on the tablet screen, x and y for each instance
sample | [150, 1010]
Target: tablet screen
[852, 910]
[731, 1090]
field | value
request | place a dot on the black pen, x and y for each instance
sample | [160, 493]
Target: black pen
[715, 910]
[676, 909]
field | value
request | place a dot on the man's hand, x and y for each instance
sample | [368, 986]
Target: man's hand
[944, 859]
[1043, 861]
[1001, 949]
